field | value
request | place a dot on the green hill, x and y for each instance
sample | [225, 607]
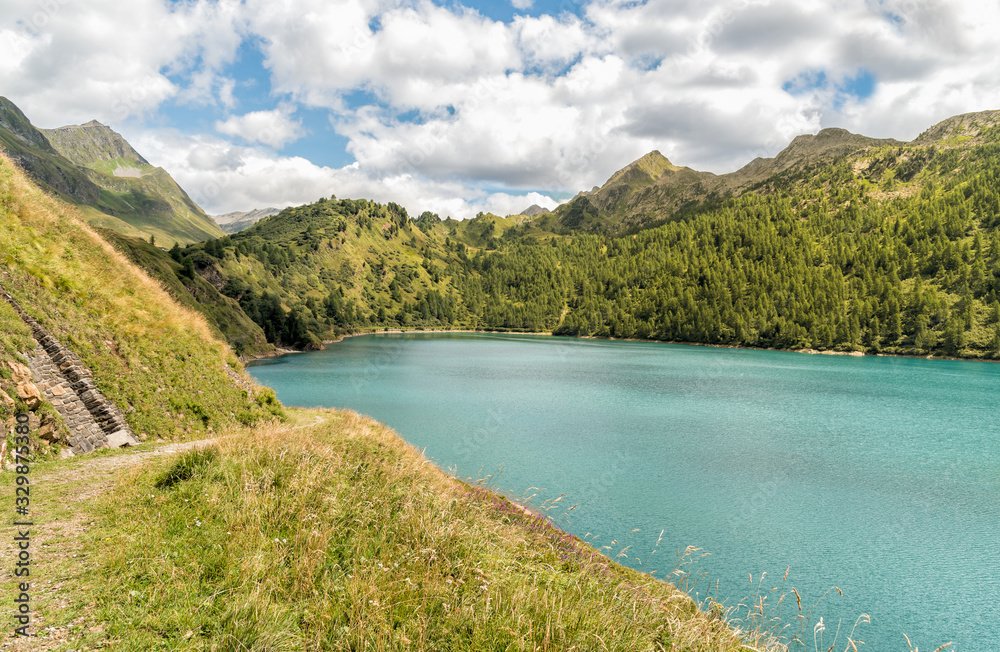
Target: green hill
[159, 363]
[113, 186]
[223, 314]
[841, 242]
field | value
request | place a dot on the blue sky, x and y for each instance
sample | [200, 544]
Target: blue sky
[459, 107]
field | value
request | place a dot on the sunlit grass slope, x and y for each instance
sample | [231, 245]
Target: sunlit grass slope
[156, 360]
[337, 535]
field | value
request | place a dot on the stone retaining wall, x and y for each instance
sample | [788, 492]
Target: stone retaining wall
[93, 420]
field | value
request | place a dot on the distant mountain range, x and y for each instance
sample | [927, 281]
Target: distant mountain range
[651, 189]
[534, 210]
[840, 242]
[93, 167]
[240, 220]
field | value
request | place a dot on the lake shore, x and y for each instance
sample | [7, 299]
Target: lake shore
[404, 331]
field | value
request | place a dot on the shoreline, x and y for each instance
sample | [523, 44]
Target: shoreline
[404, 331]
[412, 331]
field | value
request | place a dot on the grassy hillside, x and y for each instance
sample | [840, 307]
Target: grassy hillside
[223, 313]
[327, 533]
[158, 362]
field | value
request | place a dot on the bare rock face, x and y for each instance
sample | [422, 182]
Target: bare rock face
[20, 372]
[5, 399]
[28, 392]
[48, 430]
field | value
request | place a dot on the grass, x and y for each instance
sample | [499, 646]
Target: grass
[15, 336]
[328, 532]
[331, 533]
[222, 313]
[158, 361]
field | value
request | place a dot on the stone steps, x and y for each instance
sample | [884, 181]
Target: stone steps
[93, 420]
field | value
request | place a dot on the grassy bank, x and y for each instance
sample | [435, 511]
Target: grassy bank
[156, 360]
[326, 533]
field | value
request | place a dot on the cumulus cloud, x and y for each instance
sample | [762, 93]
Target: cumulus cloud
[77, 61]
[274, 128]
[222, 177]
[440, 103]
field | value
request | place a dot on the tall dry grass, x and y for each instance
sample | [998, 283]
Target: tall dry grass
[158, 361]
[340, 536]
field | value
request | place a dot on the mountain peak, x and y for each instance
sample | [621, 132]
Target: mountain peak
[534, 210]
[94, 145]
[652, 166]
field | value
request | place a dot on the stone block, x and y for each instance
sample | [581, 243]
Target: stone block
[58, 390]
[119, 439]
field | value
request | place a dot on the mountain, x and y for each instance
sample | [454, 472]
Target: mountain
[534, 210]
[134, 191]
[651, 185]
[652, 190]
[237, 221]
[97, 147]
[94, 168]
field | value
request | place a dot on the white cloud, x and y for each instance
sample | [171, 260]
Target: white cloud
[274, 128]
[222, 178]
[77, 61]
[440, 103]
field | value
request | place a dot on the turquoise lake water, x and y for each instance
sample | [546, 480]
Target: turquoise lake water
[880, 476]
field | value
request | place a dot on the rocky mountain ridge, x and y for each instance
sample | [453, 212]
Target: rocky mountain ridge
[651, 189]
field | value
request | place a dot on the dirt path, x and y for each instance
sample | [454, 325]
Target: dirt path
[61, 569]
[62, 495]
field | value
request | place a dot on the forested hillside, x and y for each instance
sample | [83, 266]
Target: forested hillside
[891, 247]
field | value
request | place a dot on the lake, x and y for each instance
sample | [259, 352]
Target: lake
[878, 475]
